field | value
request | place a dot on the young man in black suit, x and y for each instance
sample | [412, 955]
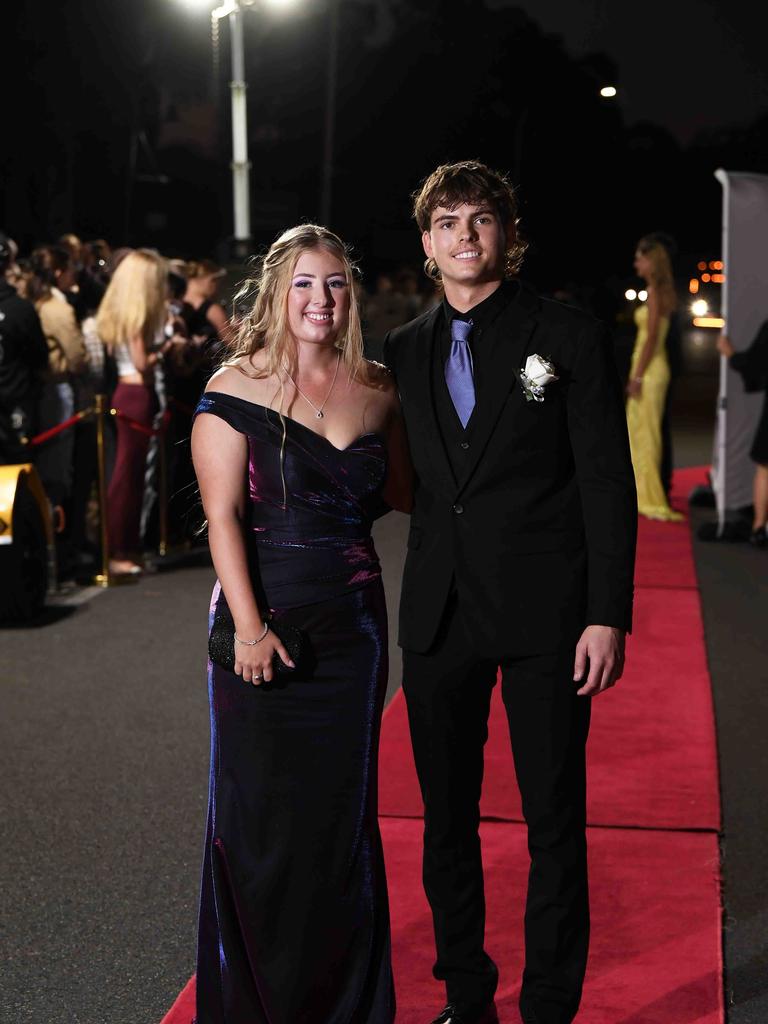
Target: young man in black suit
[520, 554]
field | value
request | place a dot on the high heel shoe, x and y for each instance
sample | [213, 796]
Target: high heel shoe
[124, 567]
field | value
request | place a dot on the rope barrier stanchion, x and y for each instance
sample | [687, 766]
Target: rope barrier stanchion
[103, 578]
[162, 496]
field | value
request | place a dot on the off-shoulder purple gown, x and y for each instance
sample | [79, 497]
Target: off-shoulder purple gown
[294, 922]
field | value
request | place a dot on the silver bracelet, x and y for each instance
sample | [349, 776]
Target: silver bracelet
[252, 643]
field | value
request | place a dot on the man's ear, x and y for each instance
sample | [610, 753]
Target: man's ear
[426, 241]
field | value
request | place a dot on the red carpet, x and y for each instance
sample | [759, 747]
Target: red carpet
[655, 953]
[664, 555]
[655, 924]
[652, 752]
[652, 757]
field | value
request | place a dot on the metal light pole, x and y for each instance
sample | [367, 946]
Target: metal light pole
[326, 191]
[241, 196]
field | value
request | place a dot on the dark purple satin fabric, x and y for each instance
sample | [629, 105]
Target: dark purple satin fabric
[310, 510]
[294, 924]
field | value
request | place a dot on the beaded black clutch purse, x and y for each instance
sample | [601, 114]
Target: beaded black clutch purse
[221, 642]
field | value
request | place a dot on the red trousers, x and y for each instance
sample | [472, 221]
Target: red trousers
[126, 486]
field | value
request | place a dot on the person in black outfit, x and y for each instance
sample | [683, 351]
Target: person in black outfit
[752, 364]
[23, 363]
[89, 260]
[520, 554]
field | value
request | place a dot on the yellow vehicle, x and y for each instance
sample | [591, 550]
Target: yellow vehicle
[26, 542]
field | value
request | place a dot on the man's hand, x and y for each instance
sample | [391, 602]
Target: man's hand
[603, 646]
[725, 346]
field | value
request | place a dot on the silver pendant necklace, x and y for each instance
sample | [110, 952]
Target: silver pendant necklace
[319, 414]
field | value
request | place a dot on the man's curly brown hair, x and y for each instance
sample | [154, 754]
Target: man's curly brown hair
[469, 181]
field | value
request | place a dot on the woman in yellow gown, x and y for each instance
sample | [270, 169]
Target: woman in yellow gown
[649, 378]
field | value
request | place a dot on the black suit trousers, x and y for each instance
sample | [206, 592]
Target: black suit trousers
[448, 693]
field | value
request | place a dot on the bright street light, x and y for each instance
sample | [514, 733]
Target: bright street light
[241, 199]
[202, 5]
[608, 91]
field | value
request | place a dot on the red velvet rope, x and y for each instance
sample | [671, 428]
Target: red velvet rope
[140, 428]
[46, 435]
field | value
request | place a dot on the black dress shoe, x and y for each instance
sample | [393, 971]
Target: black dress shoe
[455, 1013]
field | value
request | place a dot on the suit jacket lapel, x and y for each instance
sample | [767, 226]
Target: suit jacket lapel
[432, 439]
[512, 333]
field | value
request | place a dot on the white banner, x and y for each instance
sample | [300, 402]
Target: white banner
[745, 308]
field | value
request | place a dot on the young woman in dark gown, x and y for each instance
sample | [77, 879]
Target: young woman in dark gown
[298, 445]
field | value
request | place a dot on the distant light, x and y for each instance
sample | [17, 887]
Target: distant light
[701, 266]
[642, 295]
[708, 321]
[700, 307]
[706, 278]
[630, 294]
[693, 285]
[718, 278]
[717, 265]
[608, 91]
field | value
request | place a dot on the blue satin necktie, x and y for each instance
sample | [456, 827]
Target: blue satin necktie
[458, 370]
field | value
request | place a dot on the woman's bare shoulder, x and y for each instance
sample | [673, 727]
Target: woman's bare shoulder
[239, 378]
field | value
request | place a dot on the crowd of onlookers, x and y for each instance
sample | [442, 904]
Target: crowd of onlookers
[78, 319]
[57, 307]
[396, 297]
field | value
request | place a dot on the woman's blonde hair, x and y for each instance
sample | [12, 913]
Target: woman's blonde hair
[661, 276]
[135, 302]
[264, 327]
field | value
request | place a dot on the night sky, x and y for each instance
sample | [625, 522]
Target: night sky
[514, 84]
[688, 65]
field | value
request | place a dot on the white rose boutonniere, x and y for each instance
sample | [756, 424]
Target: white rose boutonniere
[537, 374]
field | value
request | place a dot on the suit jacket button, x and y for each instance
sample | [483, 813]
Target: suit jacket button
[465, 445]
[458, 509]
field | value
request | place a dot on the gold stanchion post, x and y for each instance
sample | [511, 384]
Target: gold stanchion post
[102, 579]
[162, 452]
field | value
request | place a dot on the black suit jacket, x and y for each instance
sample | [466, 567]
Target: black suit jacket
[752, 363]
[538, 536]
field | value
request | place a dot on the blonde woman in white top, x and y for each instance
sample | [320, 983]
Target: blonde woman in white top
[130, 322]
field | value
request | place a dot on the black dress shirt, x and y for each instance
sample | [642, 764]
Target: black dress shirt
[456, 438]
